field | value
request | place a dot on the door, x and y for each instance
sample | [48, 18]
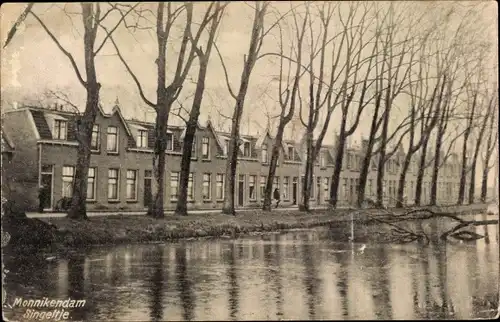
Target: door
[147, 188]
[46, 180]
[294, 191]
[241, 189]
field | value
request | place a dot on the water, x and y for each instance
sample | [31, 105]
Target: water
[294, 275]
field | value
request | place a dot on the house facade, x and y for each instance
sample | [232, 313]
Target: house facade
[120, 175]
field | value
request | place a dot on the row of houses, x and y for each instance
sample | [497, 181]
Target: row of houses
[41, 149]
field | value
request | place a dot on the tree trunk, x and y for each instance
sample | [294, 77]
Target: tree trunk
[306, 189]
[339, 156]
[435, 170]
[159, 161]
[363, 174]
[187, 147]
[78, 208]
[472, 183]
[272, 167]
[402, 180]
[463, 172]
[232, 160]
[472, 189]
[181, 208]
[163, 105]
[365, 167]
[484, 181]
[484, 185]
[421, 173]
[380, 178]
[381, 163]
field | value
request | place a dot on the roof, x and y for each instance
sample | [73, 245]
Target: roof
[42, 126]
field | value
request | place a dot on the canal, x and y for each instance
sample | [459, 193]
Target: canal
[299, 274]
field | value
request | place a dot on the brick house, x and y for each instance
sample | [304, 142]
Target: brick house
[120, 174]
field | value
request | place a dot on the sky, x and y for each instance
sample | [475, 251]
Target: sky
[32, 65]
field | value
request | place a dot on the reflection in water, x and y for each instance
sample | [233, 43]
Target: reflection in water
[184, 283]
[310, 279]
[156, 282]
[76, 287]
[296, 275]
[233, 283]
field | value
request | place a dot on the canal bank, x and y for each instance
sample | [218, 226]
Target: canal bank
[119, 229]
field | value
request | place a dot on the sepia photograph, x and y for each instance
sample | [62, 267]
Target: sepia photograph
[249, 160]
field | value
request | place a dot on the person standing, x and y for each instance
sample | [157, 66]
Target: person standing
[277, 197]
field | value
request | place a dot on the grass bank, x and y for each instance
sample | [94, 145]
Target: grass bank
[119, 229]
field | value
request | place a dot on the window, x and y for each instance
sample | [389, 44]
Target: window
[60, 129]
[219, 180]
[206, 186]
[112, 139]
[326, 188]
[95, 142]
[264, 153]
[345, 189]
[349, 160]
[170, 142]
[193, 148]
[68, 174]
[131, 184]
[113, 184]
[251, 187]
[226, 147]
[291, 153]
[205, 147]
[46, 168]
[174, 185]
[374, 164]
[142, 139]
[190, 189]
[246, 149]
[91, 184]
[370, 187]
[262, 186]
[385, 188]
[323, 159]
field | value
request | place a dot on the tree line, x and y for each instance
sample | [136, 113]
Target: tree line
[420, 72]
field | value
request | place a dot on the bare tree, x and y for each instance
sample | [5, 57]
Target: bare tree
[346, 104]
[477, 148]
[394, 61]
[464, 164]
[256, 39]
[166, 95]
[287, 97]
[92, 17]
[491, 143]
[429, 116]
[317, 83]
[192, 122]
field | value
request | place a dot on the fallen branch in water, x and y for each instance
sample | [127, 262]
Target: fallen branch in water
[390, 218]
